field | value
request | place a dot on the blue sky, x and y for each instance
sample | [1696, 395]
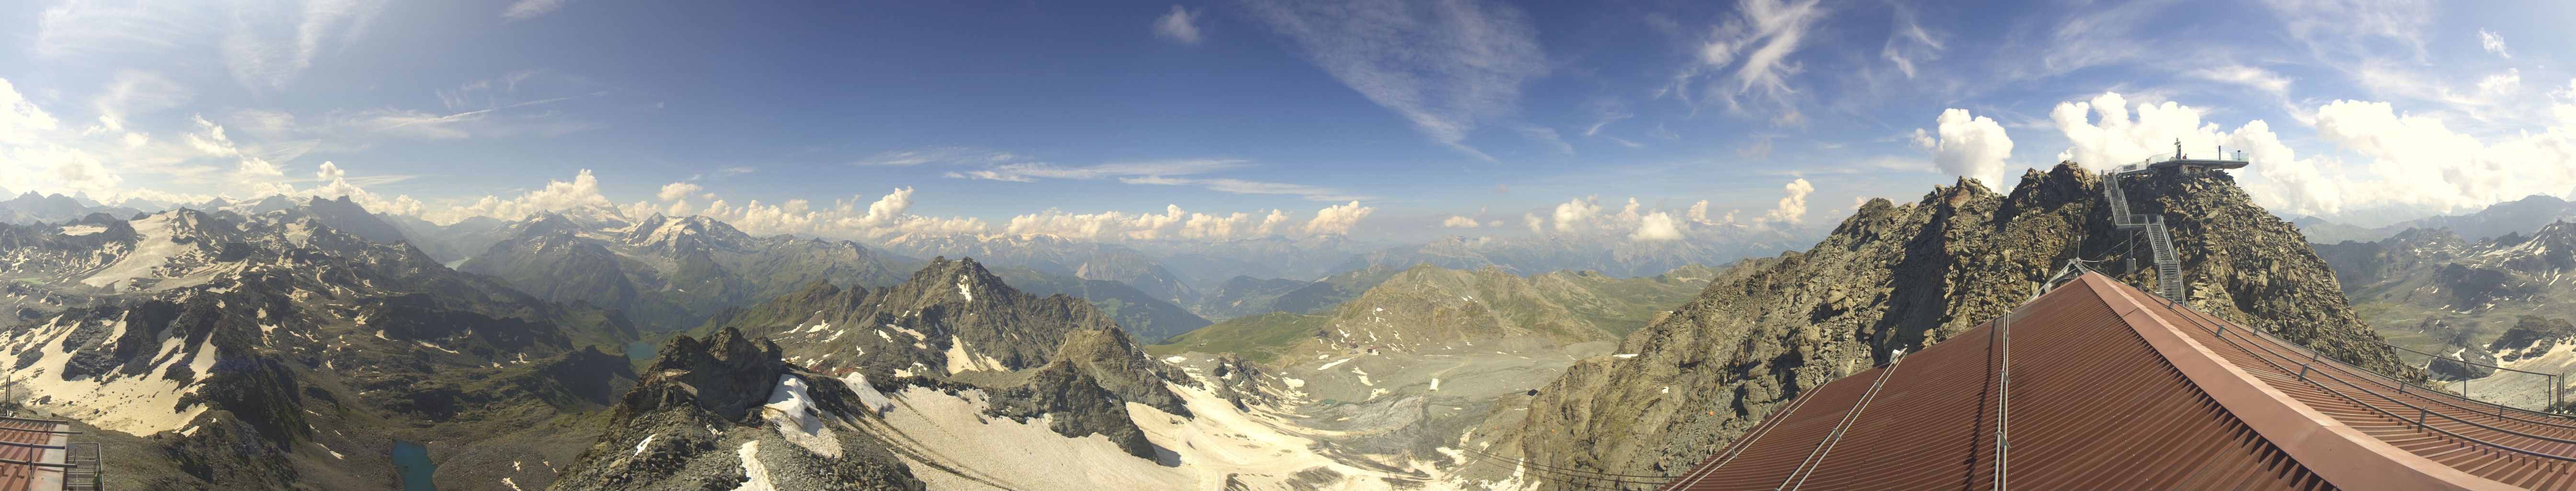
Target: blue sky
[1207, 120]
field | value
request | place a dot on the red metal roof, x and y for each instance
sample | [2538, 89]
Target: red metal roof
[2097, 385]
[27, 442]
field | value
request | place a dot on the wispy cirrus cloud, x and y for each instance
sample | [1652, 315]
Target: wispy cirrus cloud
[530, 9]
[1746, 58]
[1450, 67]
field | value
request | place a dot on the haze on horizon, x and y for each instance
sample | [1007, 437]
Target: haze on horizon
[1637, 121]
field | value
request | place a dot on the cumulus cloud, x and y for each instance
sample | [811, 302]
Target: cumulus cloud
[2405, 159]
[1460, 221]
[1179, 26]
[1176, 223]
[677, 190]
[1966, 146]
[582, 191]
[1450, 67]
[1338, 219]
[1792, 208]
[1657, 226]
[2419, 160]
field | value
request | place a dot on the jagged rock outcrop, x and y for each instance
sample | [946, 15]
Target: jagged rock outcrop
[260, 351]
[2532, 335]
[1900, 277]
[957, 325]
[725, 411]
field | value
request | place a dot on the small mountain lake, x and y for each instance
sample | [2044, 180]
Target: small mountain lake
[412, 461]
[640, 350]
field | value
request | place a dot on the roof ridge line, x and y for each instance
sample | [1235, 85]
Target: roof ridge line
[2322, 444]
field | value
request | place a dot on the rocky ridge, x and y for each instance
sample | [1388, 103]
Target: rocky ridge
[955, 325]
[260, 352]
[726, 412]
[1900, 277]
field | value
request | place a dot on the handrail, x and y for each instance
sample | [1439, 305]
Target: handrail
[2393, 382]
[2222, 336]
[2461, 361]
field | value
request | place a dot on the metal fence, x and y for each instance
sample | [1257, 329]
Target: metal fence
[2505, 386]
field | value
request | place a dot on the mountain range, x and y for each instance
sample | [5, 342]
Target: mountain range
[2523, 215]
[1892, 279]
[263, 351]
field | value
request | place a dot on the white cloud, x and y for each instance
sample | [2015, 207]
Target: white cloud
[270, 46]
[2494, 43]
[1450, 67]
[2256, 78]
[581, 191]
[1175, 223]
[1180, 26]
[677, 190]
[943, 155]
[1792, 208]
[1971, 146]
[1657, 226]
[1460, 221]
[2419, 160]
[529, 9]
[1909, 43]
[2405, 159]
[1751, 53]
[1338, 219]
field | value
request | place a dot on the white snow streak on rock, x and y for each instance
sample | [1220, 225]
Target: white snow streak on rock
[648, 442]
[792, 410]
[753, 469]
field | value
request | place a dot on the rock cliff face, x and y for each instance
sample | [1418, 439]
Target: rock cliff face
[264, 351]
[727, 413]
[1901, 277]
[955, 325]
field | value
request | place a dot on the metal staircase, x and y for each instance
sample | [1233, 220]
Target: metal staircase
[2168, 266]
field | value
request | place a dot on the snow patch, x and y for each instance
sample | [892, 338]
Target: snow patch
[1293, 383]
[962, 358]
[82, 229]
[640, 446]
[868, 393]
[327, 449]
[1329, 366]
[962, 290]
[1626, 355]
[754, 473]
[792, 410]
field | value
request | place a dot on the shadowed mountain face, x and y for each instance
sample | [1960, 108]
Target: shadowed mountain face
[1901, 277]
[666, 272]
[726, 411]
[264, 351]
[2432, 291]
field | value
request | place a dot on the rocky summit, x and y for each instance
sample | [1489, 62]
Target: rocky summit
[726, 412]
[1894, 278]
[263, 351]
